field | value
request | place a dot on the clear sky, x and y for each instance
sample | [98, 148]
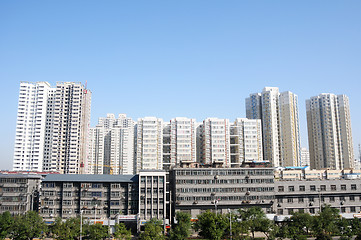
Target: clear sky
[192, 58]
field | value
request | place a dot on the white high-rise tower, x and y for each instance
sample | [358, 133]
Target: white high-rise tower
[52, 127]
[280, 125]
[329, 131]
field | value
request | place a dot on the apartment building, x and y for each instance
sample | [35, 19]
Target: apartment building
[149, 144]
[215, 142]
[196, 190]
[112, 146]
[280, 125]
[19, 193]
[52, 127]
[245, 141]
[96, 197]
[305, 157]
[31, 126]
[329, 131]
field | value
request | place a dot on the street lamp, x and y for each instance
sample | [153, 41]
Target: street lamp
[215, 205]
[81, 223]
[230, 223]
[95, 212]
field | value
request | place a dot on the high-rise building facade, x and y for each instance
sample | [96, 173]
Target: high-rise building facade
[149, 144]
[245, 141]
[289, 129]
[305, 157]
[215, 141]
[329, 131]
[112, 146]
[280, 125]
[52, 127]
[31, 126]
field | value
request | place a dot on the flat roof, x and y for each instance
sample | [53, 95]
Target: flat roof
[90, 178]
[12, 175]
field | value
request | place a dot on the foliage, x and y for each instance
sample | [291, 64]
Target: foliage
[28, 226]
[212, 226]
[325, 223]
[6, 223]
[153, 230]
[299, 225]
[95, 231]
[356, 228]
[344, 229]
[121, 232]
[182, 229]
[70, 229]
[255, 219]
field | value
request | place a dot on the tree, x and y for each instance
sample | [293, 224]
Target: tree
[6, 223]
[299, 225]
[153, 230]
[344, 229]
[70, 229]
[121, 232]
[255, 219]
[325, 223]
[182, 229]
[356, 228]
[96, 231]
[212, 226]
[28, 226]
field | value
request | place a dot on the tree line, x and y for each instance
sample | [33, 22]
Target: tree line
[240, 225]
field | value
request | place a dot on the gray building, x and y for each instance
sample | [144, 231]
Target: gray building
[97, 197]
[19, 193]
[196, 190]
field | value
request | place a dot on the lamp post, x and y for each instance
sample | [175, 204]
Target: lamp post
[215, 205]
[95, 213]
[81, 223]
[230, 223]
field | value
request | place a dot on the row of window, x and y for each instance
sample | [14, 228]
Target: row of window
[323, 199]
[313, 188]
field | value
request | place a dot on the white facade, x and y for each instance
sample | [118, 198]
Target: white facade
[52, 127]
[329, 132]
[182, 140]
[305, 157]
[216, 142]
[149, 144]
[280, 125]
[31, 126]
[246, 141]
[112, 146]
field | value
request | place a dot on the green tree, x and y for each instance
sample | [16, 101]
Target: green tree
[182, 229]
[28, 226]
[299, 225]
[255, 219]
[6, 224]
[121, 232]
[153, 230]
[212, 226]
[70, 229]
[344, 229]
[356, 228]
[96, 231]
[325, 223]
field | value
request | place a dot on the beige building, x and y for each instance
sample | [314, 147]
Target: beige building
[329, 131]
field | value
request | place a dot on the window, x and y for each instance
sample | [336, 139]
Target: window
[352, 209]
[280, 211]
[332, 199]
[279, 200]
[291, 188]
[343, 209]
[281, 189]
[302, 188]
[342, 198]
[311, 199]
[312, 210]
[312, 188]
[290, 200]
[333, 188]
[300, 200]
[353, 187]
[323, 188]
[352, 198]
[343, 187]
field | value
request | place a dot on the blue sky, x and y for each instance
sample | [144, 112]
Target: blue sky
[180, 58]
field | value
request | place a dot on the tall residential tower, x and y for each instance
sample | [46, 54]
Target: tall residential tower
[329, 131]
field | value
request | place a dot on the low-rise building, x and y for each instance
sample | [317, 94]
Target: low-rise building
[19, 192]
[196, 190]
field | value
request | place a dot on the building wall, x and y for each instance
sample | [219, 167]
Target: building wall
[19, 192]
[329, 128]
